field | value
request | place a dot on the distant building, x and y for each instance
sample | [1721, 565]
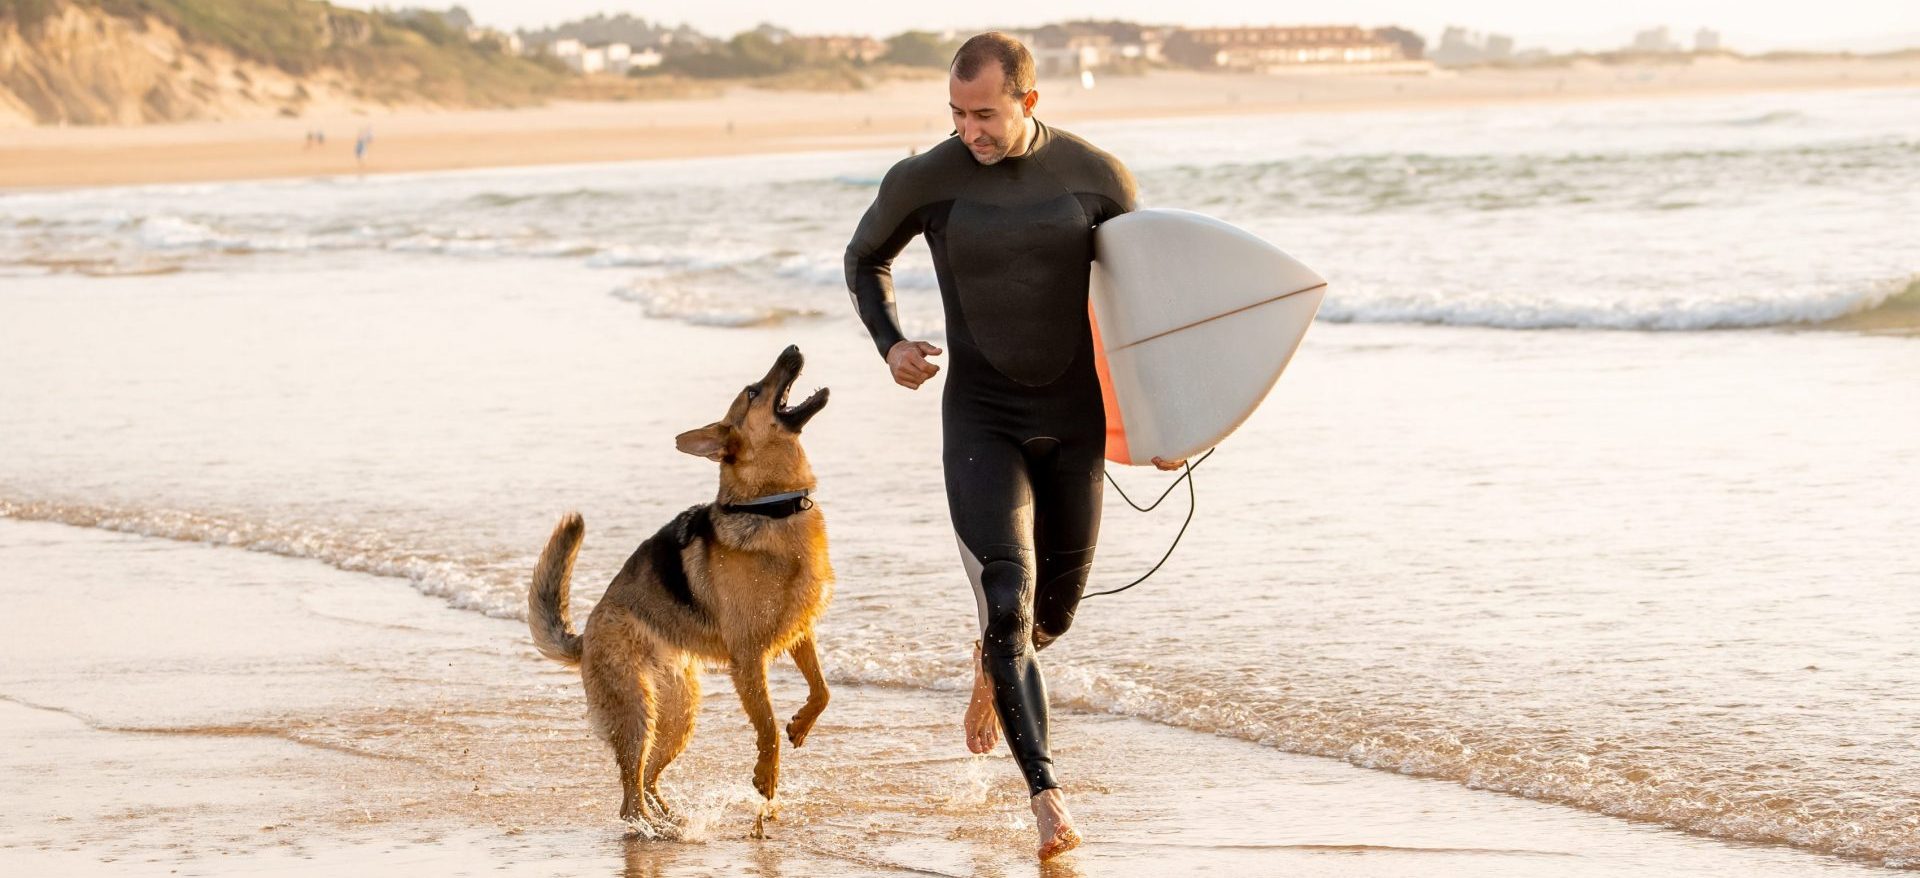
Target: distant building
[1276, 48]
[1655, 40]
[590, 61]
[1076, 47]
[1072, 47]
[1079, 53]
[1706, 40]
[1460, 47]
[862, 50]
[1150, 47]
[616, 58]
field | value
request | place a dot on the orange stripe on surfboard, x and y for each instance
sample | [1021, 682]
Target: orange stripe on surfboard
[1116, 428]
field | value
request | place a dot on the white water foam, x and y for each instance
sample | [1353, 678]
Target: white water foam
[1668, 314]
[484, 585]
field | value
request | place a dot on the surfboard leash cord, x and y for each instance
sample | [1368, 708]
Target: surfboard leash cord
[1192, 502]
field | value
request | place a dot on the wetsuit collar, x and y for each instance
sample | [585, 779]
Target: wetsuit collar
[1040, 138]
[1036, 141]
[773, 505]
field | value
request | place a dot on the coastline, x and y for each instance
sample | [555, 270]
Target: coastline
[896, 115]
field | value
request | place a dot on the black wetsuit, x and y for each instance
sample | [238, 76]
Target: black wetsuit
[1025, 430]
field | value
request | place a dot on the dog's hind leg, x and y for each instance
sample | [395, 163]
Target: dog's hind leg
[808, 661]
[620, 699]
[676, 703]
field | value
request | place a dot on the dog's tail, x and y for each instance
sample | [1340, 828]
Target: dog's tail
[549, 609]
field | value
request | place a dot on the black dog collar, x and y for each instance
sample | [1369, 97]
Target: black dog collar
[773, 505]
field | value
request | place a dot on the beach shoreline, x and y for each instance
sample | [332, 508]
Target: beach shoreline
[894, 115]
[350, 722]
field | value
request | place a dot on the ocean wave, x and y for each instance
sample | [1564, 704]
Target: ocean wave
[1899, 312]
[1667, 314]
[683, 258]
[677, 298]
[99, 267]
[542, 199]
[1776, 117]
[165, 232]
[1491, 182]
[177, 233]
[1623, 781]
[486, 585]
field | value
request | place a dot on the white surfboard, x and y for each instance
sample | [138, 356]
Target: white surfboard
[1194, 320]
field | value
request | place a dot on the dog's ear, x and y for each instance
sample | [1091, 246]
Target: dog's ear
[712, 441]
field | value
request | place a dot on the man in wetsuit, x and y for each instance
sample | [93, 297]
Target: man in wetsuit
[1008, 207]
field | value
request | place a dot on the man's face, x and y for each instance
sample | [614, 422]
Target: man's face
[989, 120]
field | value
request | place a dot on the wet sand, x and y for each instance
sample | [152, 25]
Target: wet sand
[178, 708]
[894, 115]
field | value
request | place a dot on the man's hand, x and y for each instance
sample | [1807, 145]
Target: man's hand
[1168, 465]
[908, 360]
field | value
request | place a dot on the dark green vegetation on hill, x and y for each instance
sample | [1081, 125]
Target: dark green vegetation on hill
[382, 56]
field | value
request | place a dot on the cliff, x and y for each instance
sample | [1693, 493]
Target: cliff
[126, 62]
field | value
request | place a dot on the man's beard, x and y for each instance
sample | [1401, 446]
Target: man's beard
[999, 151]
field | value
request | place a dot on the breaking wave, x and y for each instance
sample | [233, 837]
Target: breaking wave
[1671, 314]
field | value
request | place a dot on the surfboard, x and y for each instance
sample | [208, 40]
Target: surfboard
[1194, 319]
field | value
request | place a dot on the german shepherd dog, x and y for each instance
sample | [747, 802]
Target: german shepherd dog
[735, 581]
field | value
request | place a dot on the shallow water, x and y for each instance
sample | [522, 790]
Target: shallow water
[1659, 575]
[241, 713]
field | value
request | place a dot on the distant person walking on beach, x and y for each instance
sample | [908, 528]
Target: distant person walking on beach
[360, 145]
[1008, 207]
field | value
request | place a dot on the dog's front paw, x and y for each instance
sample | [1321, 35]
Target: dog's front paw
[798, 729]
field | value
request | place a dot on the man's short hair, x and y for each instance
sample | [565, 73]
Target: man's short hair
[1013, 58]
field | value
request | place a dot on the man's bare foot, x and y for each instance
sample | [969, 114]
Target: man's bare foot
[982, 722]
[1057, 835]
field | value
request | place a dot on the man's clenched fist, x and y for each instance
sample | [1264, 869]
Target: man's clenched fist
[908, 360]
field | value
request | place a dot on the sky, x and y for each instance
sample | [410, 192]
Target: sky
[1749, 25]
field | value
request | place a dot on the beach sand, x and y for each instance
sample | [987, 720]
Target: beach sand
[178, 708]
[898, 114]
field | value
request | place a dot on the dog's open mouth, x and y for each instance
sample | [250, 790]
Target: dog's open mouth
[813, 402]
[796, 416]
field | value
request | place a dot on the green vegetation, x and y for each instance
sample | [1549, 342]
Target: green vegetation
[920, 49]
[748, 54]
[783, 63]
[27, 13]
[394, 56]
[290, 34]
